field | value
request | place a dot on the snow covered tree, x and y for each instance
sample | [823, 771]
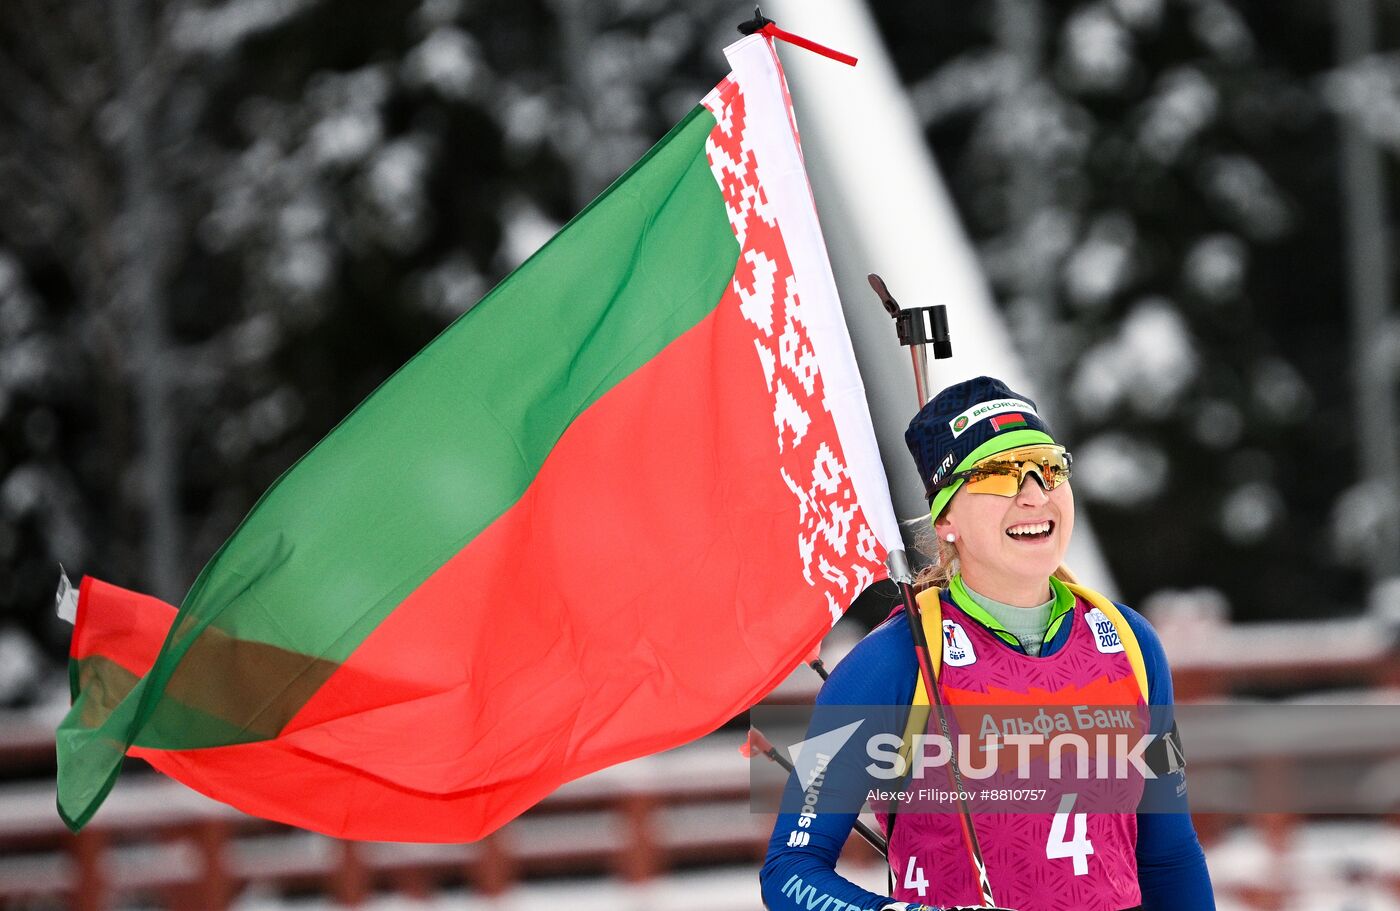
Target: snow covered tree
[224, 223]
[1155, 190]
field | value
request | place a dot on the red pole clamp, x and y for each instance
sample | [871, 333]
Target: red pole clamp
[771, 30]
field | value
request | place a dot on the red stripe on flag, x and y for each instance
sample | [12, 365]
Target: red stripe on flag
[123, 626]
[684, 545]
[492, 640]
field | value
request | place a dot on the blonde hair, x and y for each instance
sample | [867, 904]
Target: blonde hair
[942, 557]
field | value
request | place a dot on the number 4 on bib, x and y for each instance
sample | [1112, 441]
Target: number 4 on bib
[1079, 847]
[915, 879]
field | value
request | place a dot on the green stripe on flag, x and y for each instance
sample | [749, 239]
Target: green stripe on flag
[430, 459]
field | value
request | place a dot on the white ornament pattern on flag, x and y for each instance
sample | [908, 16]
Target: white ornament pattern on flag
[839, 551]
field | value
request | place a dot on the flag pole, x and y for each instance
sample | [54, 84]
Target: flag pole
[919, 329]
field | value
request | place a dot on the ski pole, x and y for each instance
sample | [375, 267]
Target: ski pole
[918, 328]
[758, 743]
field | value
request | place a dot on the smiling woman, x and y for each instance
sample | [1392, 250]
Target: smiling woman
[992, 447]
[1016, 630]
[1009, 542]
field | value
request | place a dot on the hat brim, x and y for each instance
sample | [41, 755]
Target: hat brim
[1013, 439]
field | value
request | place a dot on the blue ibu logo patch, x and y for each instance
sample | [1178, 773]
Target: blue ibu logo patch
[957, 648]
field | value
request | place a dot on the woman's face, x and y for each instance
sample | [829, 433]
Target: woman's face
[1010, 543]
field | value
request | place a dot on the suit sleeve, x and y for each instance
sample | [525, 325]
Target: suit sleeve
[800, 869]
[1172, 869]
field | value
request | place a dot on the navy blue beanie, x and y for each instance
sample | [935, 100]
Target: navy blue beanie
[967, 422]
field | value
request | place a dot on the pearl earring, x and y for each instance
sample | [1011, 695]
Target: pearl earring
[949, 538]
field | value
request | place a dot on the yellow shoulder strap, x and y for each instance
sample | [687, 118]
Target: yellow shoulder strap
[931, 616]
[1125, 633]
[931, 612]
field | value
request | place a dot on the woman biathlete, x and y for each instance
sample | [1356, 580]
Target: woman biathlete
[1013, 624]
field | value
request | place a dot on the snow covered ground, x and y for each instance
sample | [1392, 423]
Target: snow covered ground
[1329, 866]
[724, 889]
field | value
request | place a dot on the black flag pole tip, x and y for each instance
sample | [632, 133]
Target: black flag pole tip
[756, 24]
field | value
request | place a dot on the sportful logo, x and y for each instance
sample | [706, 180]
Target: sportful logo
[985, 410]
[810, 758]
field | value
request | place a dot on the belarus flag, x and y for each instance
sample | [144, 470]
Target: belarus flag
[605, 511]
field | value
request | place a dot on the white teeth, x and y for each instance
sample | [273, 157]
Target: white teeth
[1035, 528]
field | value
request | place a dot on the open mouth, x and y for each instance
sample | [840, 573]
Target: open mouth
[1031, 531]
